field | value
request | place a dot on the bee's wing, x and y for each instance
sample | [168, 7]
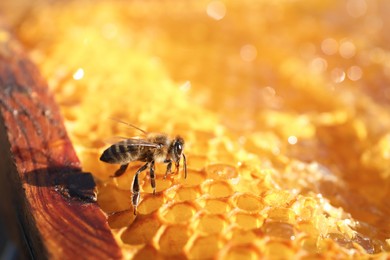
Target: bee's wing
[131, 141]
[140, 142]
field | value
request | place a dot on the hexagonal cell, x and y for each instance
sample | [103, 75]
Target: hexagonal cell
[186, 193]
[121, 219]
[161, 184]
[308, 228]
[278, 198]
[111, 199]
[305, 207]
[146, 253]
[194, 178]
[248, 202]
[278, 250]
[150, 203]
[244, 251]
[240, 236]
[178, 212]
[252, 170]
[279, 230]
[141, 231]
[210, 224]
[248, 221]
[216, 206]
[217, 189]
[282, 214]
[203, 247]
[309, 244]
[221, 171]
[173, 240]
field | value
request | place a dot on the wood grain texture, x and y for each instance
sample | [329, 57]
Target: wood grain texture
[52, 199]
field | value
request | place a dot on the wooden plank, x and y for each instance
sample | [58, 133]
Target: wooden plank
[45, 190]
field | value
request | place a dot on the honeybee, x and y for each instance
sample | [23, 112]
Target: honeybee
[153, 148]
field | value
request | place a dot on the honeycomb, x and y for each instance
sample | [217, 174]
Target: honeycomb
[284, 106]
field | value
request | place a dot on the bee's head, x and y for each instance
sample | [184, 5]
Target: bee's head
[176, 153]
[177, 149]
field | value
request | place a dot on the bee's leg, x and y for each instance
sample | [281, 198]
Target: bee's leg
[185, 166]
[169, 168]
[152, 177]
[177, 164]
[121, 170]
[135, 188]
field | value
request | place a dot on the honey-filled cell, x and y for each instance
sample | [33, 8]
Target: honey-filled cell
[121, 219]
[184, 194]
[248, 202]
[141, 231]
[147, 252]
[210, 224]
[241, 252]
[173, 240]
[218, 189]
[216, 206]
[278, 250]
[238, 236]
[110, 199]
[203, 247]
[150, 204]
[194, 178]
[279, 229]
[178, 213]
[247, 221]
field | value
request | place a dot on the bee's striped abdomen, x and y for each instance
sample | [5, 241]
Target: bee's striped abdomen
[120, 153]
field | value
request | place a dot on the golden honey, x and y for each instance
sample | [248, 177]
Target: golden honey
[283, 106]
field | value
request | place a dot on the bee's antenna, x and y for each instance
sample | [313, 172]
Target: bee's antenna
[185, 166]
[125, 123]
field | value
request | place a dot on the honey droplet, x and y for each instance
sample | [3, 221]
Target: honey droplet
[221, 171]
